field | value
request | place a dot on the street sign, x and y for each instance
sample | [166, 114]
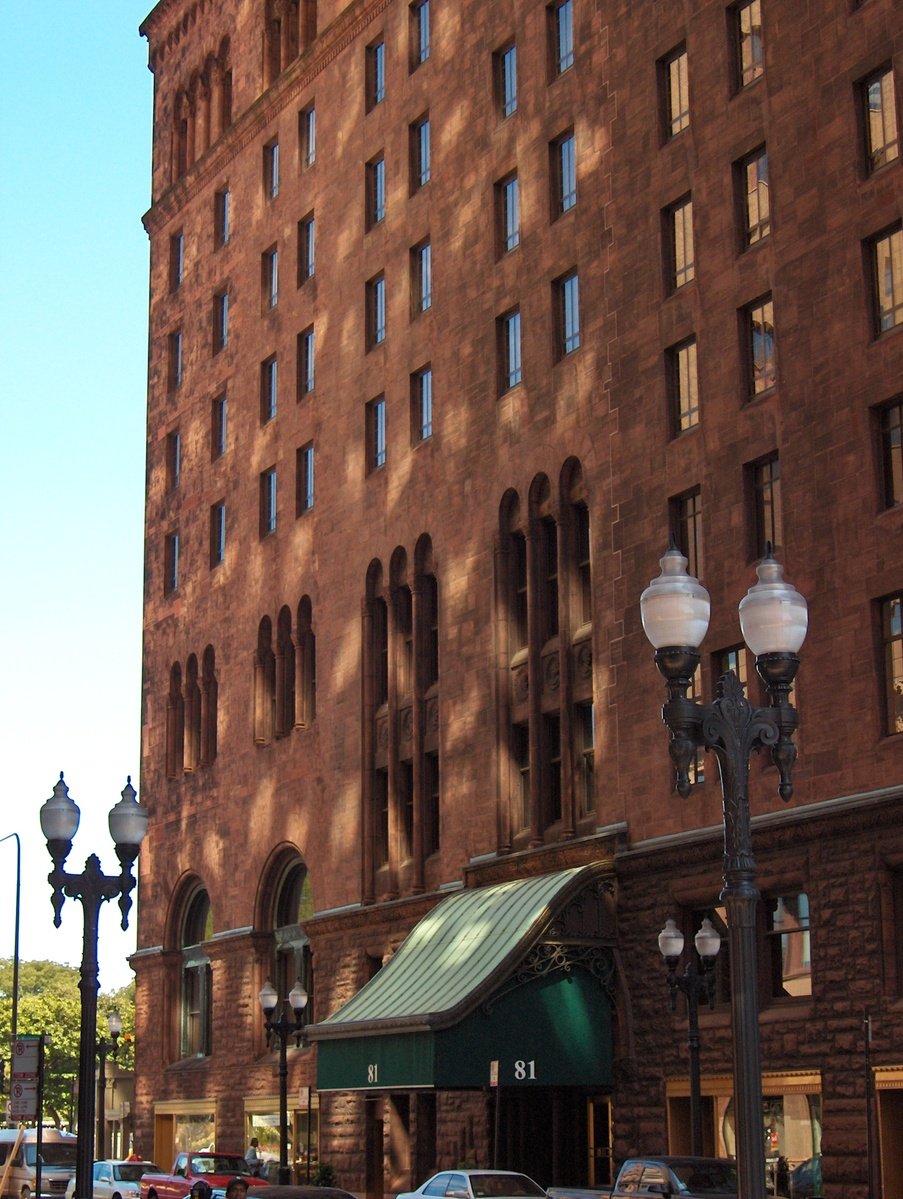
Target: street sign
[25, 1057]
[23, 1100]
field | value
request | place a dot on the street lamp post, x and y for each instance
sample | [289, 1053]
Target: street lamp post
[694, 985]
[59, 824]
[104, 1049]
[283, 1029]
[773, 620]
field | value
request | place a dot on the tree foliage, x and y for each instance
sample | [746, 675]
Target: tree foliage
[50, 1003]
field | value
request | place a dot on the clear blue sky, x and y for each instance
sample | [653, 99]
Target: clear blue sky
[75, 126]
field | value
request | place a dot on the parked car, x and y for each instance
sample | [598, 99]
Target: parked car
[478, 1184]
[114, 1179]
[805, 1179]
[688, 1177]
[19, 1157]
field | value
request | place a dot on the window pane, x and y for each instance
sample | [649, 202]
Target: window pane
[678, 93]
[685, 387]
[757, 205]
[564, 36]
[892, 635]
[881, 120]
[683, 264]
[892, 454]
[762, 352]
[888, 265]
[749, 31]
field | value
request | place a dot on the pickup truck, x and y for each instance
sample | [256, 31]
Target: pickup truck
[688, 1177]
[216, 1169]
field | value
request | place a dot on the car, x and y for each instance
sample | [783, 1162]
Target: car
[115, 1179]
[478, 1184]
[805, 1179]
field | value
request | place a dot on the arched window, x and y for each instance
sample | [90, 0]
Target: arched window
[306, 697]
[264, 684]
[292, 960]
[193, 715]
[209, 705]
[285, 674]
[197, 1008]
[546, 572]
[175, 723]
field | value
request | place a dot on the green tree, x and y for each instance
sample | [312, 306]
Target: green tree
[50, 1002]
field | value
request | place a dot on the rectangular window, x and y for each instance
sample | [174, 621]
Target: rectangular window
[891, 434]
[268, 502]
[376, 74]
[376, 311]
[673, 76]
[218, 427]
[307, 129]
[376, 433]
[171, 563]
[686, 526]
[679, 226]
[420, 153]
[509, 350]
[887, 267]
[892, 641]
[683, 387]
[421, 278]
[567, 304]
[221, 217]
[422, 404]
[768, 518]
[564, 173]
[520, 753]
[431, 811]
[271, 170]
[747, 18]
[507, 207]
[420, 33]
[269, 389]
[760, 346]
[505, 72]
[551, 728]
[562, 21]
[583, 564]
[376, 191]
[733, 659]
[173, 460]
[787, 932]
[306, 362]
[306, 248]
[176, 260]
[752, 180]
[380, 817]
[175, 360]
[880, 112]
[547, 557]
[305, 478]
[217, 534]
[220, 321]
[586, 756]
[269, 271]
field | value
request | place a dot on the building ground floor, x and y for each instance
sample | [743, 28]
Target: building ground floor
[524, 1019]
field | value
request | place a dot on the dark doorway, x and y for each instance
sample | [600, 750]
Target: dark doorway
[557, 1135]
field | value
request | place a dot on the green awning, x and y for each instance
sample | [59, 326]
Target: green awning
[494, 974]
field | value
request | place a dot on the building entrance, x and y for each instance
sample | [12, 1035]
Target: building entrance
[558, 1135]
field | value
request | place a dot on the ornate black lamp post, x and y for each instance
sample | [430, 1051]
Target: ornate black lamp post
[104, 1049]
[695, 985]
[773, 620]
[59, 824]
[283, 1029]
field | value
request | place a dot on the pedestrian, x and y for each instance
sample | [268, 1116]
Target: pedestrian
[252, 1156]
[201, 1190]
[237, 1188]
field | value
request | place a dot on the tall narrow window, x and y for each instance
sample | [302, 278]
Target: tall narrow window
[196, 999]
[221, 217]
[880, 112]
[175, 359]
[173, 460]
[420, 33]
[422, 404]
[675, 86]
[749, 47]
[269, 270]
[420, 153]
[421, 278]
[271, 170]
[887, 265]
[759, 319]
[431, 804]
[376, 311]
[171, 547]
[765, 477]
[551, 744]
[217, 534]
[376, 73]
[733, 659]
[586, 756]
[696, 770]
[218, 427]
[509, 350]
[505, 64]
[220, 321]
[891, 434]
[176, 260]
[686, 525]
[562, 15]
[680, 233]
[547, 545]
[306, 362]
[305, 478]
[892, 640]
[376, 191]
[582, 565]
[269, 389]
[507, 206]
[520, 753]
[306, 248]
[564, 167]
[567, 300]
[787, 931]
[268, 502]
[520, 625]
[683, 387]
[375, 433]
[752, 177]
[308, 132]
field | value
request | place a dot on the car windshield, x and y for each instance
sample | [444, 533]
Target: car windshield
[53, 1153]
[707, 1178]
[218, 1163]
[132, 1171]
[492, 1186]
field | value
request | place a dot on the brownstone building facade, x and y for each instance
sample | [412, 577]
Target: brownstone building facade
[457, 311]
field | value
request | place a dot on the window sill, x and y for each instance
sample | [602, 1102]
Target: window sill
[791, 1009]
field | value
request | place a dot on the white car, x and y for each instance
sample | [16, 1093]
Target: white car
[477, 1184]
[117, 1179]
